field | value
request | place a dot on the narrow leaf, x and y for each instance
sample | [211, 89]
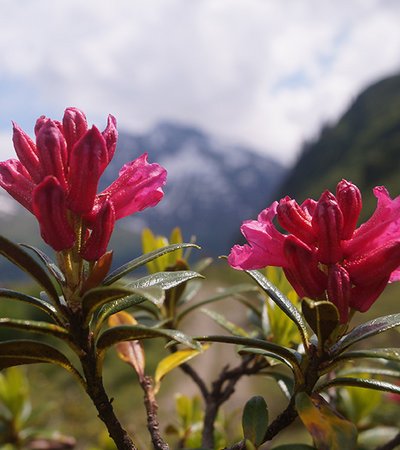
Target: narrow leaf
[141, 260]
[322, 316]
[126, 333]
[97, 297]
[172, 361]
[329, 430]
[366, 330]
[49, 263]
[282, 302]
[361, 383]
[235, 290]
[164, 280]
[20, 352]
[390, 354]
[24, 261]
[46, 307]
[224, 323]
[255, 420]
[35, 327]
[285, 383]
[288, 354]
[265, 353]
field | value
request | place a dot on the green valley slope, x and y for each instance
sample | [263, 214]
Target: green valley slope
[364, 147]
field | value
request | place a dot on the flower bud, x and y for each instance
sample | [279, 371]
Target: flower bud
[327, 224]
[302, 271]
[339, 290]
[295, 220]
[15, 179]
[49, 207]
[96, 245]
[26, 151]
[74, 126]
[87, 161]
[110, 135]
[349, 199]
[52, 151]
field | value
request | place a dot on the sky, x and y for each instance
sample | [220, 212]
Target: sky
[264, 73]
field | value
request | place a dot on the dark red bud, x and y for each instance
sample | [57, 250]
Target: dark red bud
[327, 224]
[295, 220]
[74, 126]
[110, 135]
[339, 290]
[87, 162]
[303, 268]
[349, 199]
[102, 228]
[26, 151]
[49, 207]
[15, 179]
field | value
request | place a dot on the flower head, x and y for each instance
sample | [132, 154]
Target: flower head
[323, 254]
[56, 178]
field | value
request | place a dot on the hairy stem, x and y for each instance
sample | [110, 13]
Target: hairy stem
[152, 420]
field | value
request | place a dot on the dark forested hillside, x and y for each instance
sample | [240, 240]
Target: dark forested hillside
[364, 147]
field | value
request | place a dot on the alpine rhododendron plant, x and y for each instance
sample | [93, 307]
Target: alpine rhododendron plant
[297, 331]
[324, 255]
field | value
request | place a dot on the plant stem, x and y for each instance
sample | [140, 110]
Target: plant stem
[152, 420]
[99, 397]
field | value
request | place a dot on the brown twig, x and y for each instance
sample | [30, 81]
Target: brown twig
[152, 419]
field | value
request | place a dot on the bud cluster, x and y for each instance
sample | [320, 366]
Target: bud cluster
[324, 255]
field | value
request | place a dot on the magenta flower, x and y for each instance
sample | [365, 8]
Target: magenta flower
[323, 255]
[57, 178]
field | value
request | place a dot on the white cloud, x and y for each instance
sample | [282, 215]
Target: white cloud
[264, 72]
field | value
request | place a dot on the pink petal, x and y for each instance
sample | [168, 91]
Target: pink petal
[110, 135]
[74, 126]
[349, 199]
[15, 179]
[364, 296]
[138, 186]
[382, 227]
[265, 243]
[339, 290]
[26, 151]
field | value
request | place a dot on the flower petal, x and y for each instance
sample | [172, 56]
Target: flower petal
[74, 126]
[138, 186]
[26, 151]
[349, 199]
[15, 179]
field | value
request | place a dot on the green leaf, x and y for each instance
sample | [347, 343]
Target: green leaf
[21, 351]
[255, 420]
[377, 371]
[322, 316]
[126, 333]
[238, 289]
[288, 354]
[361, 383]
[285, 383]
[329, 430]
[35, 327]
[116, 306]
[267, 354]
[97, 297]
[224, 323]
[141, 260]
[172, 361]
[20, 258]
[376, 437]
[164, 280]
[366, 330]
[49, 263]
[390, 354]
[282, 302]
[44, 306]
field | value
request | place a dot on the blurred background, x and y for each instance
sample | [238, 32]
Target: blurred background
[243, 101]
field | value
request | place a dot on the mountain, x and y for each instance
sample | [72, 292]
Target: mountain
[363, 147]
[212, 187]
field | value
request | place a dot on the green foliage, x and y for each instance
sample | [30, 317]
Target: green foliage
[255, 420]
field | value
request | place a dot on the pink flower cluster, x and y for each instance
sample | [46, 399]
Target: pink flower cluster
[324, 255]
[57, 178]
